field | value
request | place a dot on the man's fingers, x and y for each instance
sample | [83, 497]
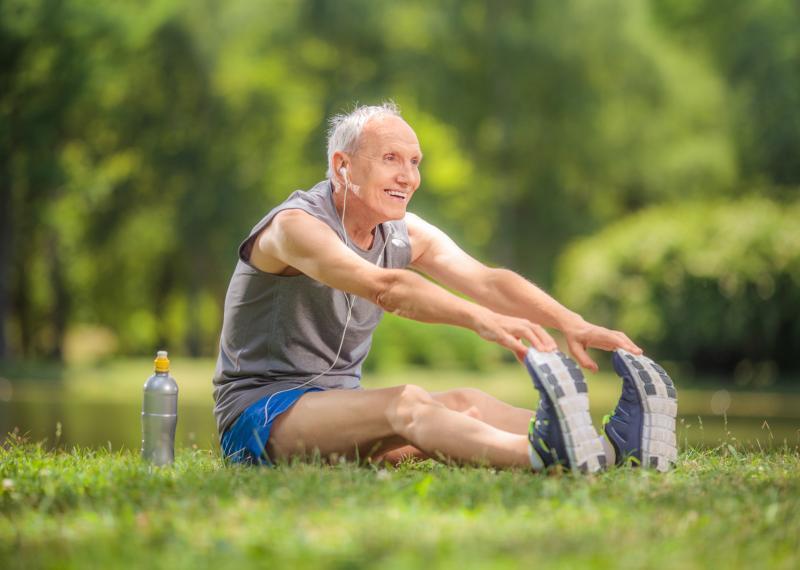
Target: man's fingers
[516, 330]
[523, 329]
[535, 341]
[510, 340]
[580, 354]
[529, 334]
[515, 346]
[548, 342]
[620, 340]
[539, 338]
[607, 339]
[628, 344]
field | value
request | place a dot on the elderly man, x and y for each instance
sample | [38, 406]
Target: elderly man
[312, 281]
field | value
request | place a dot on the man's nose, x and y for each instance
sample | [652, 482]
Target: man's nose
[405, 175]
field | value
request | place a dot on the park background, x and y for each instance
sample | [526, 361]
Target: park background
[639, 160]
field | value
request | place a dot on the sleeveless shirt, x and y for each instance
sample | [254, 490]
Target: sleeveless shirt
[280, 331]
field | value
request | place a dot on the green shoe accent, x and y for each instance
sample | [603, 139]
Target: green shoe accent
[631, 461]
[531, 427]
[611, 449]
[536, 462]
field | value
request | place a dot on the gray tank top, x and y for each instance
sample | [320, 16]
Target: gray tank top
[280, 331]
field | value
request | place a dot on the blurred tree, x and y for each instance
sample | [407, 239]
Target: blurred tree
[140, 141]
[756, 47]
[42, 74]
[162, 227]
[582, 112]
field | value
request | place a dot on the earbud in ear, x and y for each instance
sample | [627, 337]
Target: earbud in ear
[343, 171]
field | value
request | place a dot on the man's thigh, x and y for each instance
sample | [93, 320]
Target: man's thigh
[350, 423]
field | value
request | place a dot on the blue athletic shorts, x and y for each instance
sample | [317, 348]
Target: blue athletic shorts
[246, 440]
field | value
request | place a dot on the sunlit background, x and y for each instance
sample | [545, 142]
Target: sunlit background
[640, 160]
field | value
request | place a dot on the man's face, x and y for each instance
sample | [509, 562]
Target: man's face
[385, 168]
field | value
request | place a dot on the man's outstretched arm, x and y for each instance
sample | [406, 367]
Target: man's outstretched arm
[301, 241]
[506, 292]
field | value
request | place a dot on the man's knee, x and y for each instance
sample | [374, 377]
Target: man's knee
[465, 400]
[409, 405]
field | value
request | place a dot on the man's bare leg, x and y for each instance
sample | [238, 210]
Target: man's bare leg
[477, 404]
[486, 408]
[371, 422]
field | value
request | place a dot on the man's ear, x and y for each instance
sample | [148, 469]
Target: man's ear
[339, 161]
[341, 167]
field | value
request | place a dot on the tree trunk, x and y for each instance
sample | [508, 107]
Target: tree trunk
[61, 300]
[193, 332]
[5, 252]
[23, 309]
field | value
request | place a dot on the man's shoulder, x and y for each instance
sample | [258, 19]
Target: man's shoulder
[292, 217]
[317, 196]
[419, 227]
[412, 218]
[315, 202]
[302, 205]
[415, 223]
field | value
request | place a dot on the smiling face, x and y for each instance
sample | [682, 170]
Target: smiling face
[384, 170]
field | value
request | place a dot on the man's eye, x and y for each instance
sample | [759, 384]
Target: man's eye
[389, 157]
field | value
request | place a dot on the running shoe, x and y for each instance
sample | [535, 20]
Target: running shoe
[561, 432]
[642, 427]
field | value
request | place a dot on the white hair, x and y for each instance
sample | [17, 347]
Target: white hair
[345, 129]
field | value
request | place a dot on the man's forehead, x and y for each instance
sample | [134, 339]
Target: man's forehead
[388, 131]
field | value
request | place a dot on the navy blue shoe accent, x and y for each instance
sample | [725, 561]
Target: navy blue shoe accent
[642, 427]
[561, 432]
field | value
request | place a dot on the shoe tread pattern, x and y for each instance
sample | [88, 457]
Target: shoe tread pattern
[567, 389]
[660, 403]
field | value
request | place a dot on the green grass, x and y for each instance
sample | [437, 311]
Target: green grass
[726, 507]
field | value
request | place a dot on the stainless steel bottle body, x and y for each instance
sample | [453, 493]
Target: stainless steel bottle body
[159, 418]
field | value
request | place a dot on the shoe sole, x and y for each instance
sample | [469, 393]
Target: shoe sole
[562, 380]
[660, 405]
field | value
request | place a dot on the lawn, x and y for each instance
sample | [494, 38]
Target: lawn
[730, 506]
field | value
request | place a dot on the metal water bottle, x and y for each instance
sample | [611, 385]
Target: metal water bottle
[159, 414]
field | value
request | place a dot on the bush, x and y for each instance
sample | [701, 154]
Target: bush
[716, 284]
[399, 342]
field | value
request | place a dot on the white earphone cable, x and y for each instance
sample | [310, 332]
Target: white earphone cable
[349, 300]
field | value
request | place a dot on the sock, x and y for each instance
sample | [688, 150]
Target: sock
[536, 461]
[611, 456]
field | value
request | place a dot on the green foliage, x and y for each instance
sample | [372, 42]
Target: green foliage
[756, 48]
[399, 342]
[729, 507]
[714, 283]
[576, 113]
[140, 141]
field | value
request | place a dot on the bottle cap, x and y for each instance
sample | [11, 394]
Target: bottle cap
[161, 361]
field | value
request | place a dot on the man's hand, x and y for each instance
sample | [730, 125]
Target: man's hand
[582, 335]
[508, 332]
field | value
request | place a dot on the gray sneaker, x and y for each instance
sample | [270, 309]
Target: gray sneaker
[561, 432]
[642, 427]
